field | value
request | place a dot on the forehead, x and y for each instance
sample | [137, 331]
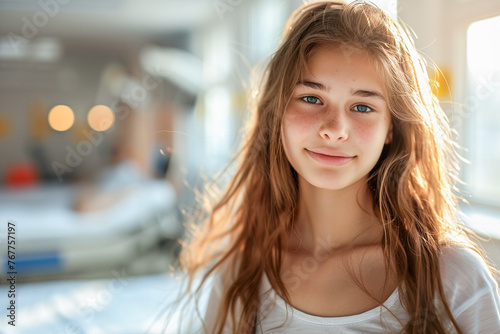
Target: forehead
[333, 60]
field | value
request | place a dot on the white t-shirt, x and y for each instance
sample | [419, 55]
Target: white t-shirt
[471, 292]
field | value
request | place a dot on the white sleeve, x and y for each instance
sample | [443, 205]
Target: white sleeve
[214, 302]
[221, 279]
[471, 291]
[481, 316]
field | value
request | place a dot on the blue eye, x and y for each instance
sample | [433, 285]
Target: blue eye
[362, 108]
[311, 99]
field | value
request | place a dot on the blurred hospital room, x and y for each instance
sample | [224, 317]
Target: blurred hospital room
[115, 113]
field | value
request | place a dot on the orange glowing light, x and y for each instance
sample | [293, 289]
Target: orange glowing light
[101, 118]
[61, 118]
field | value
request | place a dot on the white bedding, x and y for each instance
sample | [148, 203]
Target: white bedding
[120, 305]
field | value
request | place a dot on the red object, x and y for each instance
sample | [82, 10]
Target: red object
[21, 174]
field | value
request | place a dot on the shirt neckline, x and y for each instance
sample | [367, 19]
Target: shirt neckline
[349, 319]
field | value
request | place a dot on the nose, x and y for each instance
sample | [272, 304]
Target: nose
[334, 126]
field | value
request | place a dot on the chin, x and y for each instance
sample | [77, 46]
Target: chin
[332, 185]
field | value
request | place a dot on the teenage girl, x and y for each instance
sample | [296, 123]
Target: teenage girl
[342, 215]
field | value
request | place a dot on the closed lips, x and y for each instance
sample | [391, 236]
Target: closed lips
[330, 153]
[329, 157]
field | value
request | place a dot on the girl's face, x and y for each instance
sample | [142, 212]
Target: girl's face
[337, 121]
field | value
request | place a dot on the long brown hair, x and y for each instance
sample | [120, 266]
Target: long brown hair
[413, 180]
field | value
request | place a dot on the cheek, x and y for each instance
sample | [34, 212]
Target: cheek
[293, 129]
[371, 134]
[297, 123]
[368, 131]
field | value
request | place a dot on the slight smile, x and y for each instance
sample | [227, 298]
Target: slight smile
[330, 158]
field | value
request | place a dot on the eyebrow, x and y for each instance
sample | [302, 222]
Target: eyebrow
[312, 84]
[357, 92]
[368, 93]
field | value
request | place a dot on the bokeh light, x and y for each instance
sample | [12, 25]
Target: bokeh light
[61, 118]
[101, 118]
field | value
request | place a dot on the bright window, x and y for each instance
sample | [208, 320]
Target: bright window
[481, 112]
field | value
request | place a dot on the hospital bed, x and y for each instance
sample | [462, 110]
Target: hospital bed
[52, 238]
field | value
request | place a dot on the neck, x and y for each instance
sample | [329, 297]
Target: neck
[335, 218]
